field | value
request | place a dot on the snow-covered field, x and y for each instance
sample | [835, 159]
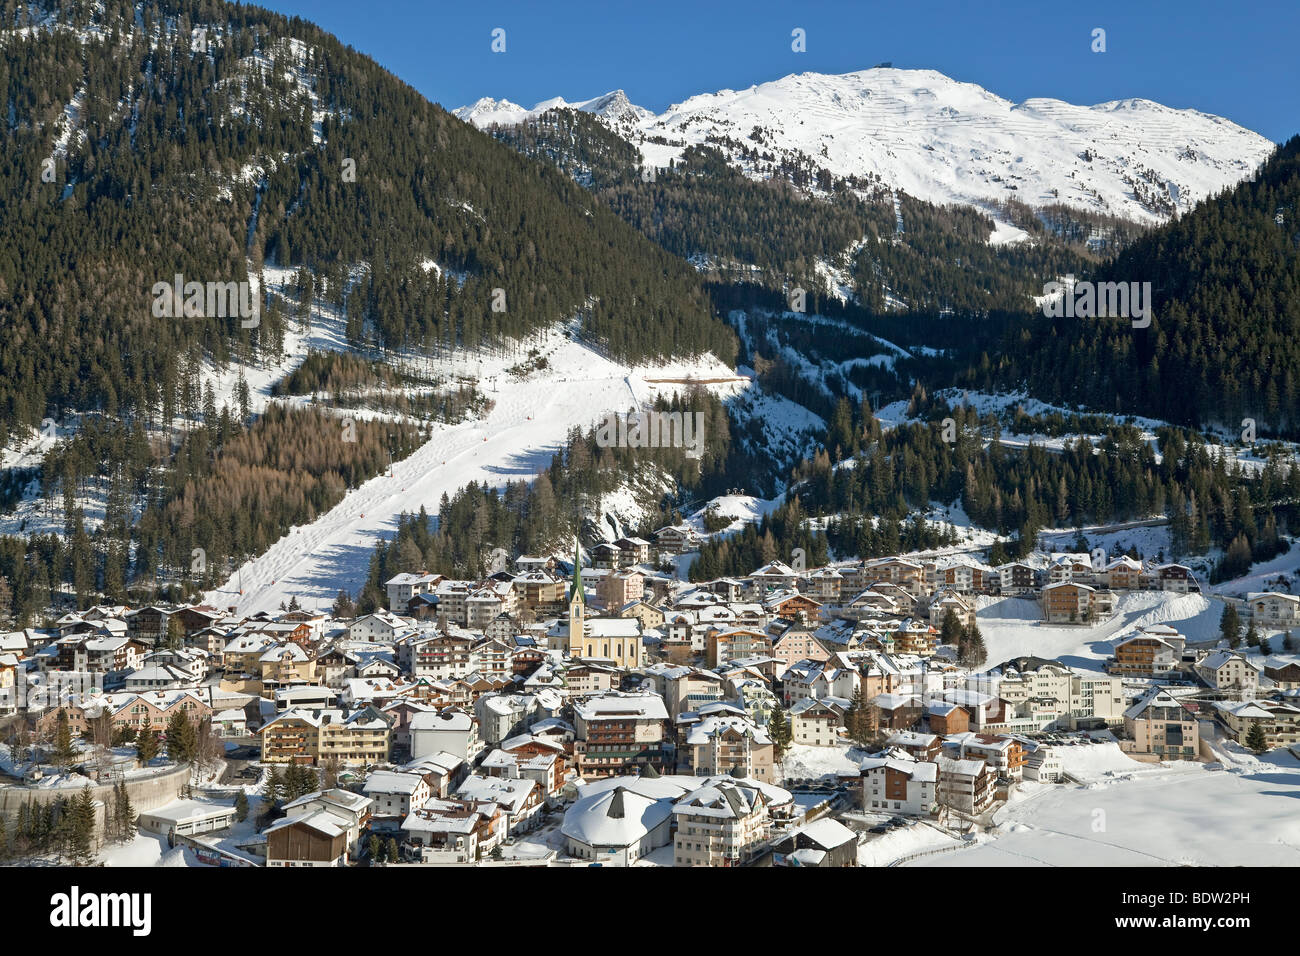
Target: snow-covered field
[1174, 815]
[802, 762]
[1013, 627]
[888, 848]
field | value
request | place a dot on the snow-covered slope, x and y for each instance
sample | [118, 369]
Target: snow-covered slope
[945, 141]
[529, 420]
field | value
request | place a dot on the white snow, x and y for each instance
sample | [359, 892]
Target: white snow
[802, 761]
[1013, 626]
[1171, 815]
[527, 423]
[944, 141]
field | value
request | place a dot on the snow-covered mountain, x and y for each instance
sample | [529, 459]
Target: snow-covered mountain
[945, 141]
[614, 108]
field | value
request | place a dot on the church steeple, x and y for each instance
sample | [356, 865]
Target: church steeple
[577, 572]
[577, 605]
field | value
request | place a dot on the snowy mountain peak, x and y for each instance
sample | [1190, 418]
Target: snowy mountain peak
[613, 107]
[945, 140]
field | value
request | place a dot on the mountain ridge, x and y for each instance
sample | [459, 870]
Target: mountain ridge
[947, 141]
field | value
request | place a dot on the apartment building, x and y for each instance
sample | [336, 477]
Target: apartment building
[897, 782]
[722, 824]
[619, 733]
[1162, 727]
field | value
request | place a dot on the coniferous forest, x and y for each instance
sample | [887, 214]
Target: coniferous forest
[227, 144]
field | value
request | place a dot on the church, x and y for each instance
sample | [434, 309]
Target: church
[616, 640]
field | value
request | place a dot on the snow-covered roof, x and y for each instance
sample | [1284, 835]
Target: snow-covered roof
[643, 706]
[618, 817]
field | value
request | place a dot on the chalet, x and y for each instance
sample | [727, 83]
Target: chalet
[946, 600]
[449, 830]
[1073, 603]
[793, 606]
[819, 723]
[616, 733]
[1122, 574]
[1162, 727]
[1280, 722]
[148, 624]
[728, 645]
[825, 584]
[676, 539]
[402, 587]
[1274, 609]
[897, 782]
[649, 616]
[723, 744]
[1018, 578]
[1002, 752]
[721, 824]
[395, 794]
[918, 745]
[520, 798]
[1284, 676]
[1175, 577]
[1231, 672]
[775, 576]
[442, 655]
[311, 839]
[381, 626]
[964, 785]
[907, 574]
[795, 643]
[822, 843]
[632, 551]
[1155, 651]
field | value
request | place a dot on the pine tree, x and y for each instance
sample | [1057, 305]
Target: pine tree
[1252, 634]
[124, 814]
[1256, 740]
[80, 831]
[950, 631]
[376, 849]
[1230, 625]
[778, 728]
[273, 788]
[146, 744]
[393, 853]
[343, 607]
[64, 752]
[973, 652]
[181, 738]
[1289, 643]
[241, 806]
[857, 721]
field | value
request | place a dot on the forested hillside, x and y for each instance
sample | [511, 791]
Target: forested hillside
[196, 137]
[1224, 340]
[776, 231]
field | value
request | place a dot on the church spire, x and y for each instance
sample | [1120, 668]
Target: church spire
[577, 572]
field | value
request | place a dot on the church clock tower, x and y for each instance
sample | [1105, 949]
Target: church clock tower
[577, 606]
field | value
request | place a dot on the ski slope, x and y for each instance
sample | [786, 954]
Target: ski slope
[527, 423]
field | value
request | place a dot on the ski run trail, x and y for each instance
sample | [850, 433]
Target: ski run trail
[529, 420]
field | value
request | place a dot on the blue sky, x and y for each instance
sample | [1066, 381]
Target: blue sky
[1237, 60]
